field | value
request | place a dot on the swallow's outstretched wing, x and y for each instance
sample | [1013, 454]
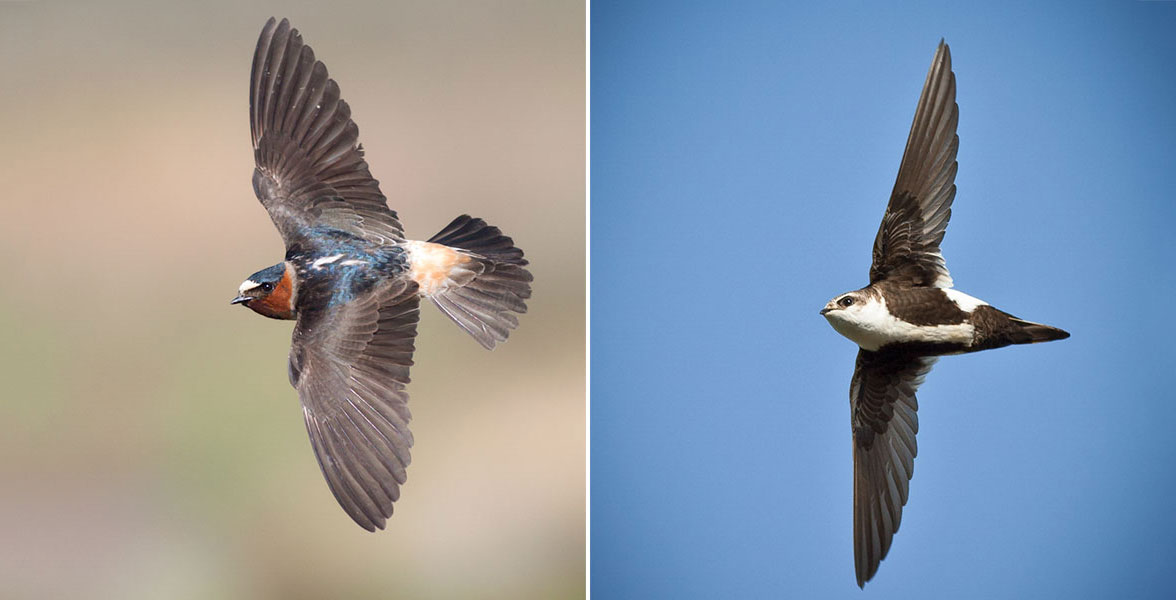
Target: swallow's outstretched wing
[906, 249]
[882, 407]
[350, 366]
[310, 167]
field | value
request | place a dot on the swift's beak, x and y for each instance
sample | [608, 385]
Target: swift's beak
[823, 310]
[240, 299]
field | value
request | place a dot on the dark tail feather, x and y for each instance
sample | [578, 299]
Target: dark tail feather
[1032, 333]
[484, 307]
[474, 235]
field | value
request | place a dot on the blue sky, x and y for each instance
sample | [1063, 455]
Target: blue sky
[742, 156]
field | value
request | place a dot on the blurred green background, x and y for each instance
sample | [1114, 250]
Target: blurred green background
[152, 445]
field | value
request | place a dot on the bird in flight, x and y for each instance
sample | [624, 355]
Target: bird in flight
[351, 281]
[907, 317]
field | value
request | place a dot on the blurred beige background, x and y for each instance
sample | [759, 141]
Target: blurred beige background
[152, 445]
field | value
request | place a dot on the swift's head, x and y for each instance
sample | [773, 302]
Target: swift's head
[269, 292]
[857, 315]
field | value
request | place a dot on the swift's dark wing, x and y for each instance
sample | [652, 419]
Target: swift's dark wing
[350, 366]
[906, 249]
[310, 167]
[882, 406]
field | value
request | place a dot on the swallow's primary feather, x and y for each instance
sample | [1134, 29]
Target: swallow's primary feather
[907, 317]
[351, 279]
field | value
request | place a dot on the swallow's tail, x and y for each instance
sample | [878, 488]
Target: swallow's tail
[485, 285]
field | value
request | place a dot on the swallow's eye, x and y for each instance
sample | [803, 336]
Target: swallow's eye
[267, 286]
[845, 302]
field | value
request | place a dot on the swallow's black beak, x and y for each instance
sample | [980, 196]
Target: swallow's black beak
[823, 310]
[240, 299]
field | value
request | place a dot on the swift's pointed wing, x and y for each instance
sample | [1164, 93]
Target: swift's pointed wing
[906, 248]
[883, 412]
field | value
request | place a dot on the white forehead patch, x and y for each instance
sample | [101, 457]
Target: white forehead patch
[248, 285]
[964, 301]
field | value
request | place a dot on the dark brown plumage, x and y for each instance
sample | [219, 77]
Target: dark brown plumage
[906, 252]
[907, 317]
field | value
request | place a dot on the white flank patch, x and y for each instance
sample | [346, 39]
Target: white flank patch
[248, 285]
[352, 261]
[964, 301]
[326, 260]
[870, 325]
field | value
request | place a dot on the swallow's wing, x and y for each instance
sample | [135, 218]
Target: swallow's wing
[882, 405]
[907, 246]
[310, 167]
[350, 366]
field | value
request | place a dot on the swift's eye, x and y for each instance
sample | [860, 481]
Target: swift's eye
[845, 302]
[267, 286]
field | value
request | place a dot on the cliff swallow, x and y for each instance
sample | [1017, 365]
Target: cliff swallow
[351, 280]
[907, 317]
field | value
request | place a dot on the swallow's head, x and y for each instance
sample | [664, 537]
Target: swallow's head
[269, 292]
